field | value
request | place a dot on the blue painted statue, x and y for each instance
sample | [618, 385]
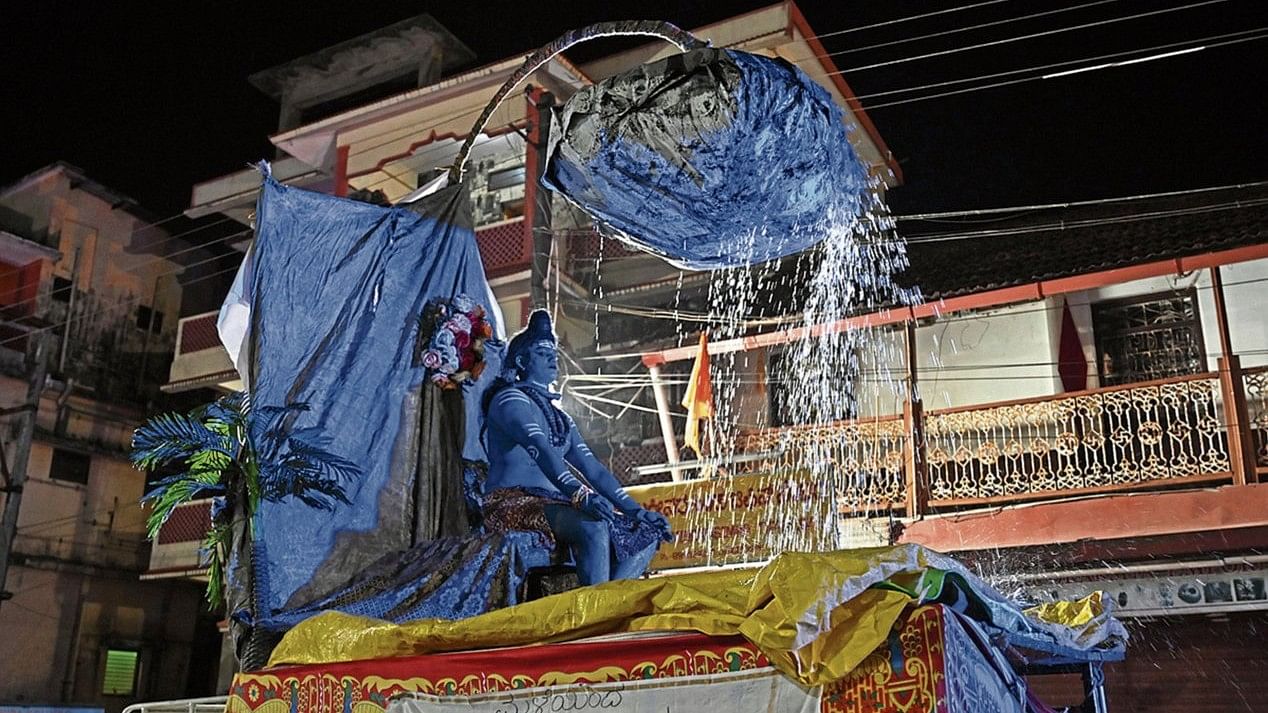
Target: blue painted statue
[533, 448]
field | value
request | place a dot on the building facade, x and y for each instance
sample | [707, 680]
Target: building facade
[83, 271]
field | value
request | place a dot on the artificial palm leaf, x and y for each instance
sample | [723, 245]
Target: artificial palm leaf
[241, 458]
[169, 437]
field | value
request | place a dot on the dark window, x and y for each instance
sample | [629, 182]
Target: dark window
[149, 318]
[1146, 338]
[506, 178]
[70, 466]
[120, 675]
[61, 289]
[781, 380]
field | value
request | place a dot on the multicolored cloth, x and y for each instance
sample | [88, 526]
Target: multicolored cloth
[524, 509]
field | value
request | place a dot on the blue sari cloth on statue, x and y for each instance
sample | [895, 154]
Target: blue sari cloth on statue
[336, 289]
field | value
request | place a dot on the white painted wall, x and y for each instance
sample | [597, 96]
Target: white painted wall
[994, 355]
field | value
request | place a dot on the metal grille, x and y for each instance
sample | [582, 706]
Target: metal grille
[1257, 410]
[1106, 439]
[188, 523]
[1143, 339]
[624, 460]
[585, 245]
[866, 457]
[198, 333]
[504, 248]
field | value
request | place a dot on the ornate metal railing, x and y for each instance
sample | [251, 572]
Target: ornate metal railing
[866, 458]
[1256, 384]
[1145, 434]
[1158, 434]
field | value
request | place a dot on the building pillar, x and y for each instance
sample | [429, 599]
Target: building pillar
[341, 171]
[666, 423]
[917, 482]
[1241, 442]
[539, 237]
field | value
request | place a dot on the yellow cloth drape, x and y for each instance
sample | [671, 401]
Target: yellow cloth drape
[699, 397]
[816, 616]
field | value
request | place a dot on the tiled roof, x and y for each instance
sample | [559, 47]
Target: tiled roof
[1064, 242]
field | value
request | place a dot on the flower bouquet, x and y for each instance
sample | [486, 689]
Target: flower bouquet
[455, 332]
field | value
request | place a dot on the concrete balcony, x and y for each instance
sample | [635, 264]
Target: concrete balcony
[505, 247]
[201, 360]
[177, 551]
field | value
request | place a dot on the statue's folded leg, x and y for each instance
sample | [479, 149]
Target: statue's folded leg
[636, 564]
[588, 539]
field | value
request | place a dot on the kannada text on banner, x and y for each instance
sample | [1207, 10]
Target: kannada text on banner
[745, 518]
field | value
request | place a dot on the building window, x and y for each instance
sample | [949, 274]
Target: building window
[782, 394]
[120, 675]
[149, 318]
[1146, 338]
[61, 289]
[70, 466]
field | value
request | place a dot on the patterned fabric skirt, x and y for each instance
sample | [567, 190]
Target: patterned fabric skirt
[511, 509]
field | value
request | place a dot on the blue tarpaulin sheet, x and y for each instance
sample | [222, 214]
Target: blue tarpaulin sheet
[711, 159]
[336, 290]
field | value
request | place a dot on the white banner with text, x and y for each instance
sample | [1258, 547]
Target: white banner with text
[759, 691]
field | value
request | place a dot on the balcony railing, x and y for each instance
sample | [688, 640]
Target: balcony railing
[1170, 433]
[1257, 415]
[1141, 435]
[505, 247]
[867, 454]
[177, 549]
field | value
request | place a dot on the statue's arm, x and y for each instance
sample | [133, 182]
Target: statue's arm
[602, 480]
[515, 415]
[599, 477]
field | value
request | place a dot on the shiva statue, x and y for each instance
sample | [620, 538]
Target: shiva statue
[534, 448]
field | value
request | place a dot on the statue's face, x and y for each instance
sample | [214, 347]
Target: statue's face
[540, 363]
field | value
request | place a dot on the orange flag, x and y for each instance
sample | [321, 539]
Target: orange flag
[699, 397]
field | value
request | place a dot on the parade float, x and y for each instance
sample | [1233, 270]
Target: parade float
[362, 540]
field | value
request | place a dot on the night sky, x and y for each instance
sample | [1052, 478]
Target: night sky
[150, 98]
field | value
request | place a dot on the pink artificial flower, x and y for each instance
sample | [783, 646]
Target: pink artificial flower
[458, 324]
[432, 359]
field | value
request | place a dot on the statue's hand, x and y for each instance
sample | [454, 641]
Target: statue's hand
[598, 507]
[656, 520]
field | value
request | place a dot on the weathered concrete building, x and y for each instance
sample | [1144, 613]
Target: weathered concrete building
[81, 268]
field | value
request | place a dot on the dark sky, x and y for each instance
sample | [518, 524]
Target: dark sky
[150, 98]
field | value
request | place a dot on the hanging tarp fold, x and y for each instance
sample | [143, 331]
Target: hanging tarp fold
[711, 158]
[335, 291]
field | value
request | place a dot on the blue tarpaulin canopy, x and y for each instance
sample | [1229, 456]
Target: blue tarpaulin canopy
[712, 158]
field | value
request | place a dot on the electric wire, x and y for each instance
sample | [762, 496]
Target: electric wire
[1012, 82]
[462, 114]
[127, 303]
[1065, 63]
[909, 18]
[134, 270]
[1028, 36]
[955, 31]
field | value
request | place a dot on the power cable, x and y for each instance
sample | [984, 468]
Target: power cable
[124, 303]
[955, 31]
[1054, 65]
[909, 18]
[1029, 36]
[1077, 204]
[135, 268]
[996, 85]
